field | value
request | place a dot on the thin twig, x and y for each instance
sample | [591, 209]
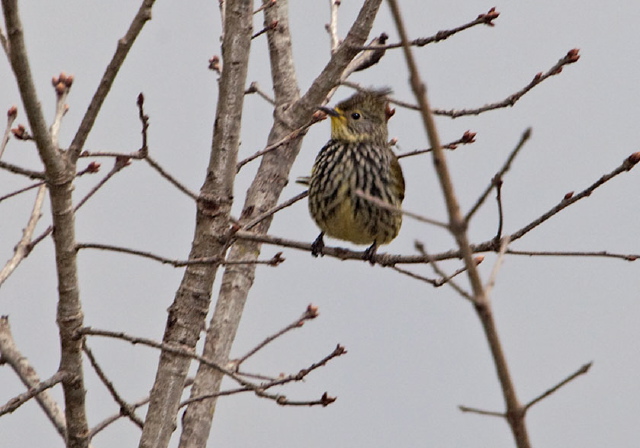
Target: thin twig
[138, 404]
[22, 171]
[467, 137]
[274, 210]
[458, 229]
[282, 399]
[259, 390]
[29, 377]
[131, 155]
[12, 113]
[124, 45]
[287, 138]
[626, 165]
[310, 313]
[119, 164]
[581, 371]
[265, 5]
[482, 19]
[433, 282]
[89, 331]
[380, 203]
[274, 261]
[22, 190]
[504, 244]
[571, 57]
[62, 85]
[481, 411]
[4, 42]
[22, 248]
[505, 167]
[420, 247]
[170, 178]
[564, 253]
[497, 181]
[17, 401]
[93, 167]
[332, 26]
[125, 408]
[270, 27]
[255, 88]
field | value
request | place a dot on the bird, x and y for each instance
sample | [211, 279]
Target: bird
[357, 158]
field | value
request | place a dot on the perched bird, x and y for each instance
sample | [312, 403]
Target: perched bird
[358, 158]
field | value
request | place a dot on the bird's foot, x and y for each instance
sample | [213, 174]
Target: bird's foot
[370, 253]
[317, 246]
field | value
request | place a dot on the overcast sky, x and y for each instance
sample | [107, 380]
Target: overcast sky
[415, 353]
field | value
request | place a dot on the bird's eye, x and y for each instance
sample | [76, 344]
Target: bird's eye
[355, 116]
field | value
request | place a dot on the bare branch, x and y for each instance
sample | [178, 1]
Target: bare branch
[482, 19]
[255, 88]
[482, 412]
[458, 228]
[62, 85]
[109, 420]
[12, 113]
[259, 390]
[119, 164]
[289, 202]
[467, 138]
[60, 173]
[626, 165]
[310, 313]
[22, 190]
[22, 171]
[602, 253]
[571, 57]
[433, 282]
[332, 26]
[27, 374]
[277, 259]
[504, 244]
[265, 5]
[109, 76]
[270, 27]
[125, 408]
[581, 371]
[180, 186]
[22, 71]
[420, 247]
[293, 135]
[497, 181]
[4, 42]
[22, 248]
[507, 165]
[379, 203]
[21, 399]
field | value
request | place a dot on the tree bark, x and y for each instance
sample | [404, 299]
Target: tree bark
[188, 312]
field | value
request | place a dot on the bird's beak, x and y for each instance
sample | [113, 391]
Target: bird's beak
[329, 111]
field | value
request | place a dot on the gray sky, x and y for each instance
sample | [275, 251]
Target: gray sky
[415, 352]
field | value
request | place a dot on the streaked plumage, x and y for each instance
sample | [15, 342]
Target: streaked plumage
[357, 157]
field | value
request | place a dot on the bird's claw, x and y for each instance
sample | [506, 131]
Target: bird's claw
[317, 246]
[370, 253]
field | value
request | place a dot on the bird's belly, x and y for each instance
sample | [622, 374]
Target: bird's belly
[358, 221]
[345, 225]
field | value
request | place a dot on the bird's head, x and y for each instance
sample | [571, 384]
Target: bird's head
[362, 117]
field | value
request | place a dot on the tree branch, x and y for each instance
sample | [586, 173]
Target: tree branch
[22, 248]
[189, 309]
[458, 228]
[10, 354]
[124, 45]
